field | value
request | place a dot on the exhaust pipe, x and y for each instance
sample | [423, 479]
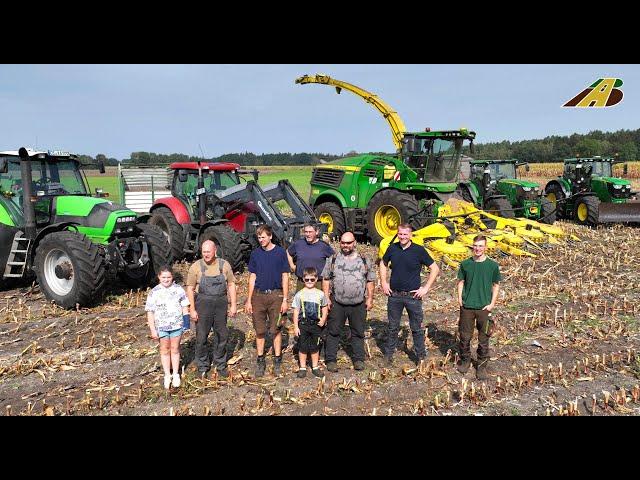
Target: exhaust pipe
[27, 194]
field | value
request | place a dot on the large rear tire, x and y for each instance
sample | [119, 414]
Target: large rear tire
[548, 211]
[229, 245]
[387, 210]
[331, 214]
[587, 209]
[500, 206]
[159, 253]
[556, 196]
[70, 269]
[164, 219]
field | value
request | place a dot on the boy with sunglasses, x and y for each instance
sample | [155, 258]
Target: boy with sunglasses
[309, 316]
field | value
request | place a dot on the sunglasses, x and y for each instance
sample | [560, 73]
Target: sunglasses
[309, 279]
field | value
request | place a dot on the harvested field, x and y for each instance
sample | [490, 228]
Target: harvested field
[568, 343]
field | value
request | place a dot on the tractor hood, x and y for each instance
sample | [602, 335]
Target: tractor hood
[519, 182]
[83, 206]
[614, 180]
[352, 163]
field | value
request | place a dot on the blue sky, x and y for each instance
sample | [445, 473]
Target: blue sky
[118, 109]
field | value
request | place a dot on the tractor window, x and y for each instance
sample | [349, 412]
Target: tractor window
[601, 169]
[502, 170]
[445, 159]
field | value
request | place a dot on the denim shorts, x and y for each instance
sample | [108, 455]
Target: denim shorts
[170, 333]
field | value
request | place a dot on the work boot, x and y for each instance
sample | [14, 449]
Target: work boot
[302, 373]
[482, 370]
[277, 365]
[223, 372]
[357, 365]
[317, 372]
[261, 365]
[332, 367]
[463, 366]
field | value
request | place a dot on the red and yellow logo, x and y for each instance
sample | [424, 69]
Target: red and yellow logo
[603, 93]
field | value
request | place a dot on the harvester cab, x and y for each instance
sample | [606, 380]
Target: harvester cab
[52, 227]
[494, 186]
[589, 193]
[212, 201]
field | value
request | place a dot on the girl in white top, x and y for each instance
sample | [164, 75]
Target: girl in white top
[167, 310]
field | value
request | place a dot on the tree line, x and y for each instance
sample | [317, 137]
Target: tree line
[624, 143]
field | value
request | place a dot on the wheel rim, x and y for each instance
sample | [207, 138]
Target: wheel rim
[328, 219]
[386, 220]
[59, 286]
[552, 198]
[583, 212]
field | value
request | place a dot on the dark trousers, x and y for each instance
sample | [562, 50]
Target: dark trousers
[395, 306]
[212, 312]
[338, 315]
[470, 320]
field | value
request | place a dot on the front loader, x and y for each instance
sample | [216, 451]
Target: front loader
[588, 193]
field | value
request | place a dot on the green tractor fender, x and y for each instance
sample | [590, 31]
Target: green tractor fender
[562, 183]
[54, 227]
[333, 196]
[469, 192]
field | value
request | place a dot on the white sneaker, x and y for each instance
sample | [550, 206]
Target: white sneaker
[176, 380]
[167, 382]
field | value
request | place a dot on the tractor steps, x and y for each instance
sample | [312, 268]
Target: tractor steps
[17, 261]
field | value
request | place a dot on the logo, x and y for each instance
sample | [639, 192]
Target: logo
[602, 93]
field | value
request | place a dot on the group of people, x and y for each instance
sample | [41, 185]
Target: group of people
[346, 279]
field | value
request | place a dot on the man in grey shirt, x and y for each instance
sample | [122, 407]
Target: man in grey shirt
[348, 284]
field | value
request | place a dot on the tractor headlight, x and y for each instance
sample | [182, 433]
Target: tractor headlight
[126, 219]
[526, 189]
[617, 187]
[537, 189]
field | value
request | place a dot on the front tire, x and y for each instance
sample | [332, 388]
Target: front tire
[548, 211]
[228, 243]
[331, 214]
[164, 219]
[159, 253]
[386, 211]
[587, 209]
[500, 206]
[69, 268]
[556, 196]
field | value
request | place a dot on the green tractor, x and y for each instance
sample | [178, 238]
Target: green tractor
[588, 193]
[73, 243]
[494, 186]
[372, 194]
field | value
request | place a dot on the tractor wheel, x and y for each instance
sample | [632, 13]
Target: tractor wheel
[331, 214]
[228, 242]
[386, 211]
[163, 218]
[69, 268]
[548, 211]
[587, 210]
[159, 252]
[500, 206]
[556, 196]
[462, 191]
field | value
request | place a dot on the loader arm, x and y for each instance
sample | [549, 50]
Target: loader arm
[390, 115]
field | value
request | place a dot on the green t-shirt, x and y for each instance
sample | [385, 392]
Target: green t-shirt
[479, 278]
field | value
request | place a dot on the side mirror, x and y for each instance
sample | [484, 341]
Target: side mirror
[182, 176]
[101, 166]
[101, 193]
[526, 167]
[625, 169]
[4, 165]
[471, 147]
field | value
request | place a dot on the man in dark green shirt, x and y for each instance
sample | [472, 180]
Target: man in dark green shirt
[478, 290]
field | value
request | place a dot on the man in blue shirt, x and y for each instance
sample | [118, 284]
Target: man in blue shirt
[406, 259]
[267, 297]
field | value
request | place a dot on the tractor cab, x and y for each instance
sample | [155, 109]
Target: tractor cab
[435, 156]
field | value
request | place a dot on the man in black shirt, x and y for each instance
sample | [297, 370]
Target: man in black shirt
[406, 259]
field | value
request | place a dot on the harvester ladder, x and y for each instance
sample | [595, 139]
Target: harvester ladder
[17, 261]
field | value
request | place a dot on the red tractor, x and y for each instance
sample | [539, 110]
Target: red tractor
[211, 201]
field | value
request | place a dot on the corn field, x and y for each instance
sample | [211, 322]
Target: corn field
[550, 170]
